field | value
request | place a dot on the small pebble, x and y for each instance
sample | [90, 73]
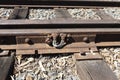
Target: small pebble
[29, 77]
[5, 13]
[55, 67]
[112, 59]
[85, 14]
[41, 14]
[114, 12]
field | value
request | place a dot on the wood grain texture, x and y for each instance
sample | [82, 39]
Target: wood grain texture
[6, 67]
[19, 13]
[62, 13]
[94, 70]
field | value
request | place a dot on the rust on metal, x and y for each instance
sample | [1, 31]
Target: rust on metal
[19, 13]
[57, 40]
[87, 56]
[62, 2]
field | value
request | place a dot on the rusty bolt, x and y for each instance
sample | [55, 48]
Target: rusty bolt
[68, 35]
[27, 40]
[85, 39]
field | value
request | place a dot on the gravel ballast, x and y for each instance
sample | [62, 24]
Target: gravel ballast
[85, 14]
[41, 14]
[114, 12]
[112, 58]
[5, 13]
[54, 67]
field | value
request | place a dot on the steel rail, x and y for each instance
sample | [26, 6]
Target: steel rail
[63, 2]
[56, 21]
[15, 32]
[50, 6]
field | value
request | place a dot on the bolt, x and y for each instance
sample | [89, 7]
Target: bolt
[85, 39]
[27, 40]
[68, 35]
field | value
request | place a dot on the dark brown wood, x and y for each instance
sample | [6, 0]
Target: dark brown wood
[6, 67]
[62, 13]
[19, 13]
[94, 70]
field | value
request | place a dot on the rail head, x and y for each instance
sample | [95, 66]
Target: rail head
[14, 32]
[114, 3]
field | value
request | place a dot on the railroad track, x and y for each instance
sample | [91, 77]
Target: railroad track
[22, 34]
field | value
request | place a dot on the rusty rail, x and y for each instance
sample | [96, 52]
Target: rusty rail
[36, 35]
[63, 2]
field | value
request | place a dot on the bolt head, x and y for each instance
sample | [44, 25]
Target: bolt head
[85, 39]
[27, 40]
